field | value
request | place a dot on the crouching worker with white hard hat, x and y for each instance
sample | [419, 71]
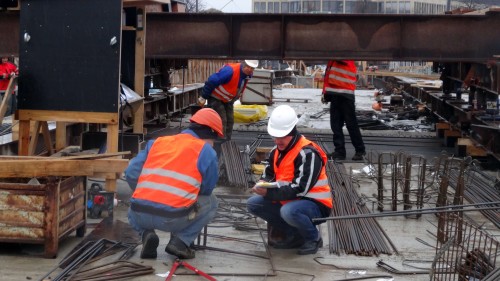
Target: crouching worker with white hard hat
[173, 179]
[294, 187]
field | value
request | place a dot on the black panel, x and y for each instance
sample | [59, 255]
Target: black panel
[126, 142]
[69, 63]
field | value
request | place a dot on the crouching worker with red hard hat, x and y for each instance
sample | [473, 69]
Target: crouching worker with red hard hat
[294, 187]
[173, 179]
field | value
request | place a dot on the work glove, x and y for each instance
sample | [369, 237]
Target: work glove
[201, 101]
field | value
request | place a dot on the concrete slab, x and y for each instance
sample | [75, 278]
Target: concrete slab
[414, 238]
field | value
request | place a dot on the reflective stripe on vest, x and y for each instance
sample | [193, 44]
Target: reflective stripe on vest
[341, 78]
[170, 175]
[227, 92]
[321, 191]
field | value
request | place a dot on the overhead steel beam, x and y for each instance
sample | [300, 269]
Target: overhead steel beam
[321, 37]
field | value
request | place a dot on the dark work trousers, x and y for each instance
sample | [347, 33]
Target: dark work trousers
[226, 112]
[342, 110]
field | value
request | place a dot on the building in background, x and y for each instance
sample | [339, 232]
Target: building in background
[352, 6]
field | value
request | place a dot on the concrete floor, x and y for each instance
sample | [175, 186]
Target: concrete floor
[24, 262]
[413, 238]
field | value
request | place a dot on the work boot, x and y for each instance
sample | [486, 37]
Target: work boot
[359, 156]
[150, 242]
[337, 156]
[290, 242]
[177, 248]
[310, 247]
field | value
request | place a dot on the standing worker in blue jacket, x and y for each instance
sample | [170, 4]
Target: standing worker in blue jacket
[338, 89]
[224, 87]
[173, 179]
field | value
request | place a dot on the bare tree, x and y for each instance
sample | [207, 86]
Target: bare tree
[477, 4]
[194, 6]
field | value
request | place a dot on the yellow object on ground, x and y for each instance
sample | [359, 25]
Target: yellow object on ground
[249, 113]
[258, 169]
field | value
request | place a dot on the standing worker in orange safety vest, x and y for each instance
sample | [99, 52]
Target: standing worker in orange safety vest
[224, 87]
[338, 89]
[173, 179]
[294, 187]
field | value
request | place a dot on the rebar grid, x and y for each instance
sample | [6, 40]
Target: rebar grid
[362, 237]
[409, 176]
[467, 253]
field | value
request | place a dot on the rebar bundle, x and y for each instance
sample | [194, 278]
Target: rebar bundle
[362, 237]
[236, 165]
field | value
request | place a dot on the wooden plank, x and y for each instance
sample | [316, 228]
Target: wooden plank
[24, 137]
[60, 135]
[69, 116]
[74, 157]
[467, 147]
[107, 165]
[46, 137]
[52, 167]
[42, 168]
[34, 138]
[140, 69]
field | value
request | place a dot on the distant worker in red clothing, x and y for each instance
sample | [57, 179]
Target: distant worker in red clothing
[338, 89]
[7, 71]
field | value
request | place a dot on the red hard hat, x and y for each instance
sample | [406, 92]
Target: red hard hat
[208, 117]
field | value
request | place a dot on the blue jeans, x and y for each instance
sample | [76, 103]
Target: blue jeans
[293, 218]
[343, 110]
[183, 228]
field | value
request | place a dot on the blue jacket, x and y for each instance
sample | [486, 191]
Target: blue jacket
[207, 165]
[221, 77]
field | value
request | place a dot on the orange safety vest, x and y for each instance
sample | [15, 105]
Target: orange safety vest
[286, 171]
[170, 175]
[340, 78]
[227, 92]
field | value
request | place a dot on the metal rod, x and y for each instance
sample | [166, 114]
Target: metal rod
[446, 209]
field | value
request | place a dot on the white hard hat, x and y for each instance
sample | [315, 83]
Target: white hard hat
[252, 63]
[283, 120]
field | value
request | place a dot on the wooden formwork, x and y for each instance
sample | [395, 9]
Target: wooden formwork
[42, 213]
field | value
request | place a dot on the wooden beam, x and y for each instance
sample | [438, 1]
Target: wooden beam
[140, 69]
[69, 116]
[60, 135]
[60, 167]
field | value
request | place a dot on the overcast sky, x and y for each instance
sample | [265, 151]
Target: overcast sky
[230, 6]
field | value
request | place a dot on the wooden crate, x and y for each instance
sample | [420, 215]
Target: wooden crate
[42, 213]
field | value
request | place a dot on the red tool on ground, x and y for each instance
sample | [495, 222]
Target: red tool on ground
[178, 263]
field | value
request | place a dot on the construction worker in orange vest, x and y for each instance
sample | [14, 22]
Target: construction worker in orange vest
[338, 89]
[294, 188]
[224, 87]
[173, 179]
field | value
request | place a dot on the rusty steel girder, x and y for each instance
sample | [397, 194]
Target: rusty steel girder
[319, 36]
